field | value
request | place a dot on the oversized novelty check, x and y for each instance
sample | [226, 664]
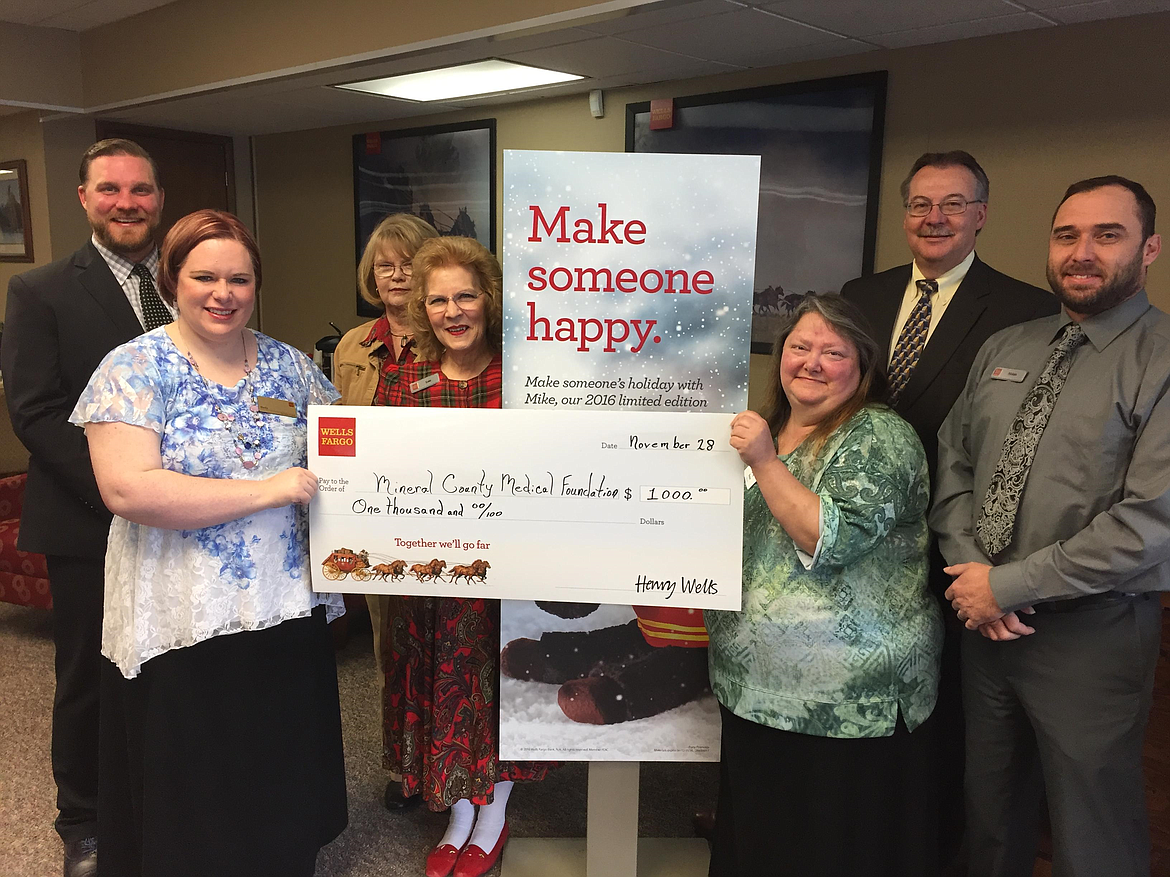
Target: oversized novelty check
[635, 508]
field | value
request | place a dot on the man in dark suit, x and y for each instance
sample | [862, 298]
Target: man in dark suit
[930, 318]
[62, 319]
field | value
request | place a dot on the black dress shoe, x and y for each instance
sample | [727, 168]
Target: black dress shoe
[394, 800]
[81, 857]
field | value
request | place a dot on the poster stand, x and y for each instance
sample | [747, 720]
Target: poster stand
[612, 847]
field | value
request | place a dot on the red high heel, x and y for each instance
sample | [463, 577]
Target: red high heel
[441, 860]
[474, 862]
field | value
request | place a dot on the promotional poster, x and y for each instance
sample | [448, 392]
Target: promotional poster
[628, 283]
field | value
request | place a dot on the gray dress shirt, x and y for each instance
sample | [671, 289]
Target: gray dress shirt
[1095, 513]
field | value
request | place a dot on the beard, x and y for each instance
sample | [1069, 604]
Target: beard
[122, 240]
[1123, 283]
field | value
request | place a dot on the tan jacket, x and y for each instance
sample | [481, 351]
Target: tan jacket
[355, 368]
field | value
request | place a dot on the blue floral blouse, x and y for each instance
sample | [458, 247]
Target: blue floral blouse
[166, 589]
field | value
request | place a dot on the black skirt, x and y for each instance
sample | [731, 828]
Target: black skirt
[223, 758]
[805, 806]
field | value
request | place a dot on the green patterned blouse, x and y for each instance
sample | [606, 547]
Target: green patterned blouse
[835, 649]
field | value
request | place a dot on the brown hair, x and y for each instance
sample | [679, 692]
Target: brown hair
[116, 146]
[847, 321]
[1147, 210]
[188, 233]
[403, 232]
[954, 158]
[454, 252]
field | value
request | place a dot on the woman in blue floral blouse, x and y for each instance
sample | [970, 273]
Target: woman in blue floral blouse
[220, 743]
[827, 677]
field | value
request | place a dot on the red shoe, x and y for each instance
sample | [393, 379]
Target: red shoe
[474, 862]
[441, 860]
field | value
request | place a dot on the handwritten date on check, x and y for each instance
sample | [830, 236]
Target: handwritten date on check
[632, 508]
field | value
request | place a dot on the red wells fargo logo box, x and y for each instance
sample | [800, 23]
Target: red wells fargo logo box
[337, 437]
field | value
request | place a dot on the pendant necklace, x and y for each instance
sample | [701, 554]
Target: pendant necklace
[249, 431]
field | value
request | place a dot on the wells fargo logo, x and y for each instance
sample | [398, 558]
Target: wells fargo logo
[337, 437]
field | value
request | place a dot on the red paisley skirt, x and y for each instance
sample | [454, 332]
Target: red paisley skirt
[441, 722]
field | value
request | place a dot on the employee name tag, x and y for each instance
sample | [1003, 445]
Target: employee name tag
[272, 405]
[1015, 375]
[423, 383]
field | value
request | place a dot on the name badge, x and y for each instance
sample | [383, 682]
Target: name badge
[1015, 375]
[423, 383]
[272, 405]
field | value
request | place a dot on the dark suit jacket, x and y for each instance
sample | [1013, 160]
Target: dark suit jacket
[985, 302]
[62, 319]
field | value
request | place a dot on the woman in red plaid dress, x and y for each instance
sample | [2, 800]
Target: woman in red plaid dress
[442, 679]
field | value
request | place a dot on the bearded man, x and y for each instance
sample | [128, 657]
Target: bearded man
[62, 319]
[1053, 499]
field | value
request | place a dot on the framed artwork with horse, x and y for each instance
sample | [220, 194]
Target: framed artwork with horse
[820, 148]
[445, 174]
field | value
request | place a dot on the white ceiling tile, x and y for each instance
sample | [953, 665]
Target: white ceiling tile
[24, 12]
[960, 30]
[730, 36]
[834, 49]
[545, 40]
[660, 15]
[1074, 14]
[607, 56]
[862, 18]
[1115, 7]
[79, 16]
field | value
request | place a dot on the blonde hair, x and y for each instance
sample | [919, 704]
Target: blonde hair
[403, 232]
[454, 252]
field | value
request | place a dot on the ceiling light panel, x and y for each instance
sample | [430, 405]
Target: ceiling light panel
[465, 80]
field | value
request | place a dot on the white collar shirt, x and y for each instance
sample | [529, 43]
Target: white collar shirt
[121, 269]
[948, 285]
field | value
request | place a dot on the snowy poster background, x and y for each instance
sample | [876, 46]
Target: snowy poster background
[636, 350]
[687, 351]
[532, 725]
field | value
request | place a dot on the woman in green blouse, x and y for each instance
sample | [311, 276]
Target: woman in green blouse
[828, 674]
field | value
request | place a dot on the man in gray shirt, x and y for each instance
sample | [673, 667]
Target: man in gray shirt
[1053, 498]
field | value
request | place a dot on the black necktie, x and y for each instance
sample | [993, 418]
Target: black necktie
[154, 312]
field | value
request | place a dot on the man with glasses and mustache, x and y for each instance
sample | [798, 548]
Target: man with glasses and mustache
[930, 318]
[1053, 499]
[62, 319]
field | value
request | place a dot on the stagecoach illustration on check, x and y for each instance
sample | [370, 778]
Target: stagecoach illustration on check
[343, 562]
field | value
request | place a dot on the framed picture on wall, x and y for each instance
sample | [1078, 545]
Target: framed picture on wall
[820, 144]
[444, 174]
[16, 243]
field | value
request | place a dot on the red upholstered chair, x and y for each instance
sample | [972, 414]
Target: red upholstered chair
[24, 578]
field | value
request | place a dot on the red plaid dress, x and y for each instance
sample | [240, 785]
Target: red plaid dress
[441, 658]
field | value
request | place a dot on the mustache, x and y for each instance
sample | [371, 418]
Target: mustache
[935, 231]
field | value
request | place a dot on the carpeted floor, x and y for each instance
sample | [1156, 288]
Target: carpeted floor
[376, 842]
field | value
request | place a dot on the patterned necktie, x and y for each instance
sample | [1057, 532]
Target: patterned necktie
[912, 340]
[997, 518]
[154, 312]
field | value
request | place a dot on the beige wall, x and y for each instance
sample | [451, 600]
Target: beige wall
[1039, 109]
[20, 137]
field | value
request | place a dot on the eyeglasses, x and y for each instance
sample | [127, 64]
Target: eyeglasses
[949, 206]
[463, 300]
[386, 270]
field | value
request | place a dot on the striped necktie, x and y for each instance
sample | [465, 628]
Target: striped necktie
[154, 312]
[912, 340]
